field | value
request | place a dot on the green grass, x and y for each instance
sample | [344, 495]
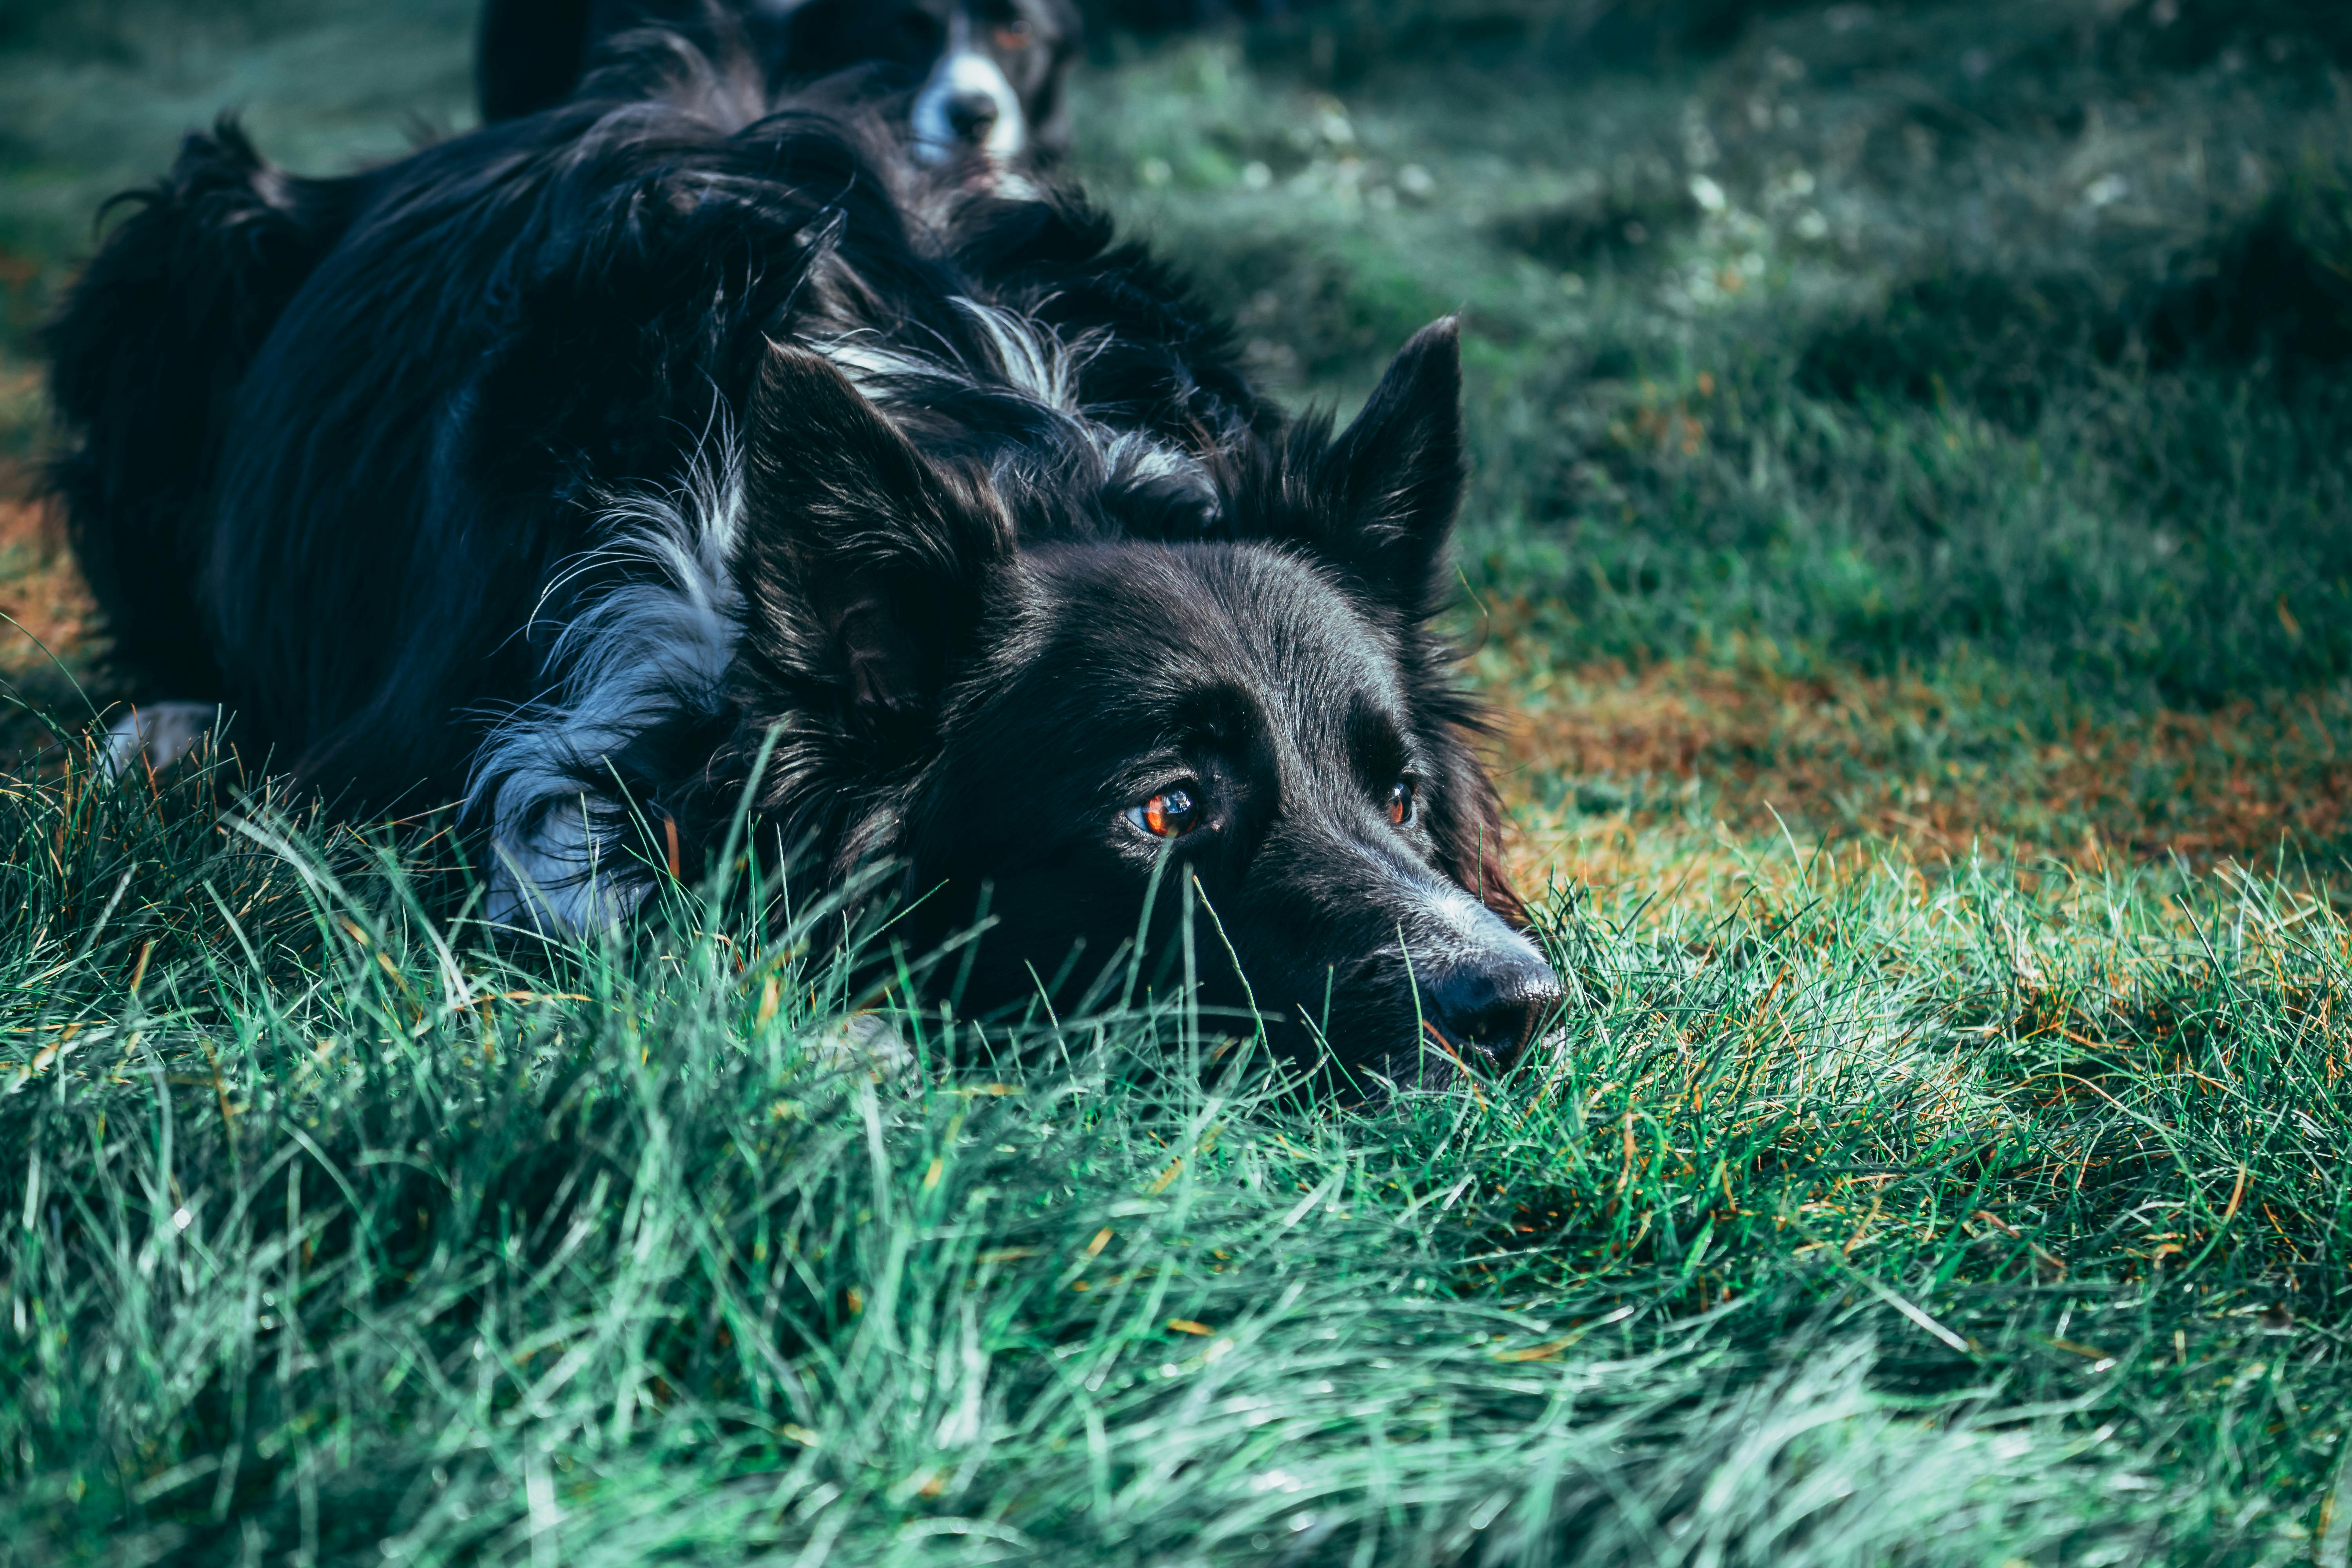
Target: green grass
[1916, 563]
[1948, 331]
[1861, 1217]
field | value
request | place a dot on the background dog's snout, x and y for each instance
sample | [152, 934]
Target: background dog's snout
[971, 115]
[1493, 1002]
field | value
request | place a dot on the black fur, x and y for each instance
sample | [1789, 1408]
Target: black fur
[530, 55]
[1000, 542]
[164, 323]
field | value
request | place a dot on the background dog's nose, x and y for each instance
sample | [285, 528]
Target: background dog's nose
[1492, 1004]
[971, 115]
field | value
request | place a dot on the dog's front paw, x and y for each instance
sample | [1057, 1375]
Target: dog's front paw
[157, 734]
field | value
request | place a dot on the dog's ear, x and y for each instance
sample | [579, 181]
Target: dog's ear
[864, 564]
[1385, 490]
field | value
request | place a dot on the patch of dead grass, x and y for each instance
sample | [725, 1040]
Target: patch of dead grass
[1669, 774]
[1938, 765]
[41, 589]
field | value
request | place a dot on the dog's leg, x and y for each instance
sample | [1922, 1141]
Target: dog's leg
[866, 1041]
[563, 874]
[157, 734]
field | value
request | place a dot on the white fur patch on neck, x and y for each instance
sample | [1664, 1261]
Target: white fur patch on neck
[1031, 354]
[1030, 357]
[1132, 456]
[642, 652]
[1030, 360]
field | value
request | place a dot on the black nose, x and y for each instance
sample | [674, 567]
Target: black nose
[1492, 1004]
[971, 115]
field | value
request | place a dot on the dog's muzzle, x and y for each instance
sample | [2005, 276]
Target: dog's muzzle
[967, 106]
[1492, 1002]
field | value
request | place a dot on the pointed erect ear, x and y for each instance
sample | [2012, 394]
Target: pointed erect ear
[1390, 483]
[864, 562]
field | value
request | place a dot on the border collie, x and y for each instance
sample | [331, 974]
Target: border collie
[672, 448]
[984, 77]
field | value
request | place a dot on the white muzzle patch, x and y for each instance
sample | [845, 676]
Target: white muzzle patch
[966, 79]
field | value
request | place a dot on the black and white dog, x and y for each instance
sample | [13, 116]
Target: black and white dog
[978, 79]
[610, 465]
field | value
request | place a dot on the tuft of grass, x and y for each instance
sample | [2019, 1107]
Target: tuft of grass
[1858, 1216]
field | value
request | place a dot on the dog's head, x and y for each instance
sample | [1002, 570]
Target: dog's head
[987, 75]
[1092, 728]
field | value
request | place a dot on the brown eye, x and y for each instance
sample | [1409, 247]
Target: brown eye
[1171, 814]
[1401, 795]
[1012, 36]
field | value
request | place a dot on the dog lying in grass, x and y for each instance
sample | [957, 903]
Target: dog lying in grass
[613, 468]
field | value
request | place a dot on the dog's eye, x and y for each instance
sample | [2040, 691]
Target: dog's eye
[1171, 814]
[1400, 803]
[1013, 36]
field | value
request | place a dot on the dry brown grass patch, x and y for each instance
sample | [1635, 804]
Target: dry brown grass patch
[41, 590]
[1593, 754]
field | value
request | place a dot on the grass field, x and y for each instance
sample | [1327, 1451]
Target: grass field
[1911, 554]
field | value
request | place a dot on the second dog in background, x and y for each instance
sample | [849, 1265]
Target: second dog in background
[982, 78]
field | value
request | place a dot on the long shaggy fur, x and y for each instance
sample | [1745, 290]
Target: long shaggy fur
[583, 469]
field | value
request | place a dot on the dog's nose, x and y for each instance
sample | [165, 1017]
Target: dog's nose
[1492, 1004]
[971, 115]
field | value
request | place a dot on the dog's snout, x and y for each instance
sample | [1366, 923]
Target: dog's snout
[971, 115]
[1494, 1003]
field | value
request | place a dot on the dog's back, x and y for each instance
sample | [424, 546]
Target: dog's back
[333, 438]
[148, 354]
